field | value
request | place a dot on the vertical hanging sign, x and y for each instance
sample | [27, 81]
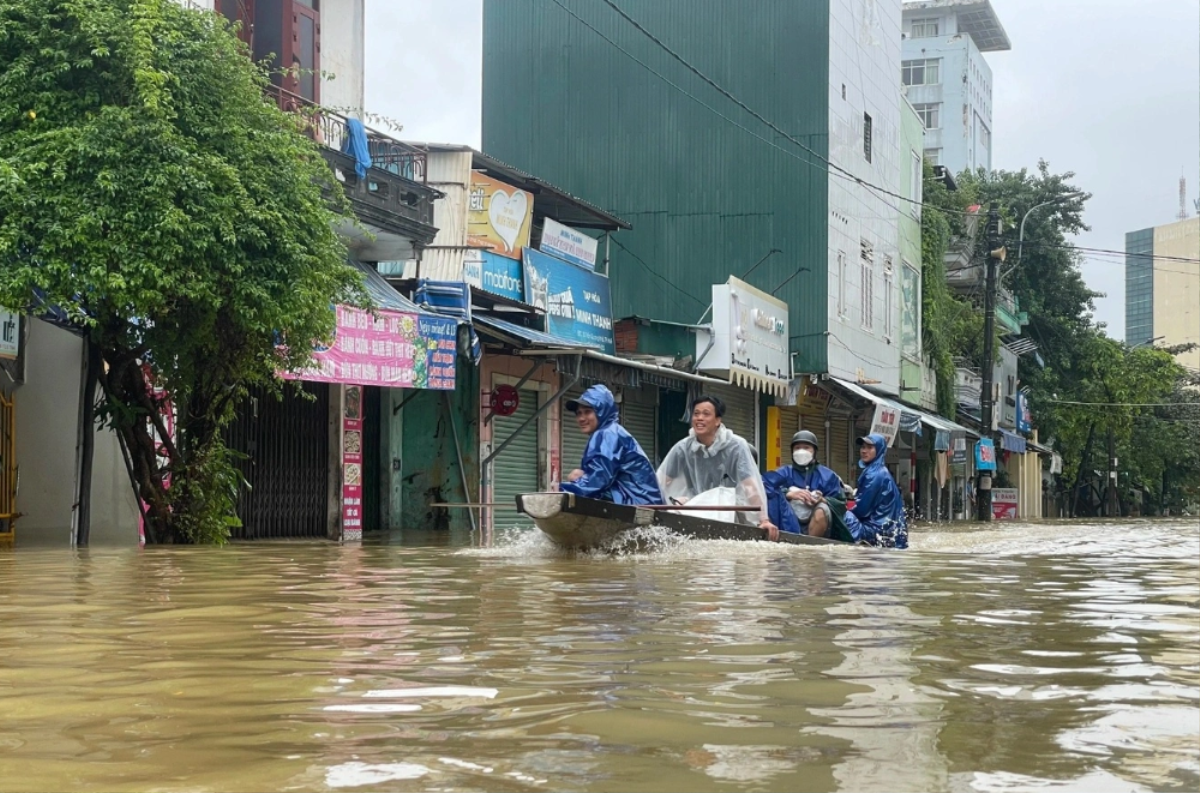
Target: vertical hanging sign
[352, 464]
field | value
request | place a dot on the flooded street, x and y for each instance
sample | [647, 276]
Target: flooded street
[1051, 657]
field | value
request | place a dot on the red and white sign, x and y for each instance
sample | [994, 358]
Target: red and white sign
[1004, 503]
[886, 423]
[352, 465]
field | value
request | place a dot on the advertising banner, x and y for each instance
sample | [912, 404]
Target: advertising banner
[886, 422]
[10, 333]
[985, 455]
[352, 464]
[958, 447]
[1024, 416]
[495, 274]
[576, 300]
[1004, 503]
[568, 244]
[498, 216]
[391, 349]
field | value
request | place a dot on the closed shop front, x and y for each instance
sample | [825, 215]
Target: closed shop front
[515, 470]
[572, 441]
[839, 455]
[741, 409]
[639, 415]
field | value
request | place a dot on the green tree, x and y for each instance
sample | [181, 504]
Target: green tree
[184, 223]
[944, 317]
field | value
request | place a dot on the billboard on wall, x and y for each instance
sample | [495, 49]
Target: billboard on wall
[391, 349]
[498, 216]
[569, 244]
[749, 338]
[10, 333]
[498, 275]
[576, 300]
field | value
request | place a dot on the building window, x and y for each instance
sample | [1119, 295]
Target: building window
[925, 28]
[985, 138]
[867, 136]
[934, 156]
[867, 277]
[841, 276]
[914, 184]
[930, 113]
[921, 72]
[888, 285]
[910, 311]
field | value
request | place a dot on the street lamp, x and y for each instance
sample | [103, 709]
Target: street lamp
[1021, 234]
[1147, 341]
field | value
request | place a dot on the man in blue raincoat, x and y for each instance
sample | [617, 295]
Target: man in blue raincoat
[878, 514]
[614, 467]
[805, 497]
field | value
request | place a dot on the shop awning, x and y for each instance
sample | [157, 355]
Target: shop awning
[1045, 451]
[519, 336]
[656, 371]
[936, 422]
[910, 420]
[1012, 442]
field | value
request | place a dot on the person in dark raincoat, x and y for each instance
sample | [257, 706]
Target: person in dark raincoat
[806, 497]
[878, 514]
[614, 467]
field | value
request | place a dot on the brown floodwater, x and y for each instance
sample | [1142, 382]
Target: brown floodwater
[1024, 657]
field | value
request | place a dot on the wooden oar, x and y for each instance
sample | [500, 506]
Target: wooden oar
[697, 508]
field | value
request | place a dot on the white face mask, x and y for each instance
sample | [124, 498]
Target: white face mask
[802, 457]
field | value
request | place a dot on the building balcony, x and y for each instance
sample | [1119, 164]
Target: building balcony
[392, 202]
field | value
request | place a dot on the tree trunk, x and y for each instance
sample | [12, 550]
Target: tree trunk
[1083, 460]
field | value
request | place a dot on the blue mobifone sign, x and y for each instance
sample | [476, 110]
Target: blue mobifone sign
[496, 274]
[576, 300]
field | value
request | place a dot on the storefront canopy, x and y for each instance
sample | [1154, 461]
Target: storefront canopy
[1012, 442]
[910, 418]
[522, 337]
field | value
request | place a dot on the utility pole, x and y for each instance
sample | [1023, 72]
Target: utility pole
[983, 486]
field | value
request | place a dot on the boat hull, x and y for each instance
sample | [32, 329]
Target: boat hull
[584, 523]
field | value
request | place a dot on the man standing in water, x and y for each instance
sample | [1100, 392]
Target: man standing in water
[878, 514]
[614, 467]
[713, 456]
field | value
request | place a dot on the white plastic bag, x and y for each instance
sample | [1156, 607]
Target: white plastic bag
[717, 497]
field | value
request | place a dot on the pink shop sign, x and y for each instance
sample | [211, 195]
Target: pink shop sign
[389, 348]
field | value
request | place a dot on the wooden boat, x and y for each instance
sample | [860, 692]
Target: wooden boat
[584, 523]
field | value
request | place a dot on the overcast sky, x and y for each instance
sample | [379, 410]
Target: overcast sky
[1109, 89]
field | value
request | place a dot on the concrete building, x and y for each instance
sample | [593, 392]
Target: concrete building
[710, 190]
[947, 79]
[1162, 294]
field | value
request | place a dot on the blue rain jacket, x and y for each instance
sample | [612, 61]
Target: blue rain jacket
[614, 466]
[812, 477]
[878, 514]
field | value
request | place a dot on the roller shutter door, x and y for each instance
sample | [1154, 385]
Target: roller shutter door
[641, 419]
[515, 470]
[572, 442]
[838, 455]
[740, 405]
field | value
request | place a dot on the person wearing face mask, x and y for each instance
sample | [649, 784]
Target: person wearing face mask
[806, 497]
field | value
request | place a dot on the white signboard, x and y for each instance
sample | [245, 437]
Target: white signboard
[567, 243]
[750, 338]
[886, 422]
[10, 333]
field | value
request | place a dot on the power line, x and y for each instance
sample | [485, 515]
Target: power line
[651, 270]
[1122, 404]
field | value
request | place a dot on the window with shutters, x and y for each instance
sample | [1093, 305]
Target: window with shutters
[287, 34]
[867, 125]
[867, 279]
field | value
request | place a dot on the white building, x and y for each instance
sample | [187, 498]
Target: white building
[947, 79]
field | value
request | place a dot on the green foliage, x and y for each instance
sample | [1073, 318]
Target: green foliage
[942, 315]
[184, 221]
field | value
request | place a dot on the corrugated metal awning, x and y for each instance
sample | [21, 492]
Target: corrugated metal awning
[523, 337]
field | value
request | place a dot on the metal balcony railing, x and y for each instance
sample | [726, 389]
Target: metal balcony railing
[331, 129]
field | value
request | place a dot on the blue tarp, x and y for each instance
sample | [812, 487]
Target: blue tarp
[357, 147]
[450, 299]
[1011, 442]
